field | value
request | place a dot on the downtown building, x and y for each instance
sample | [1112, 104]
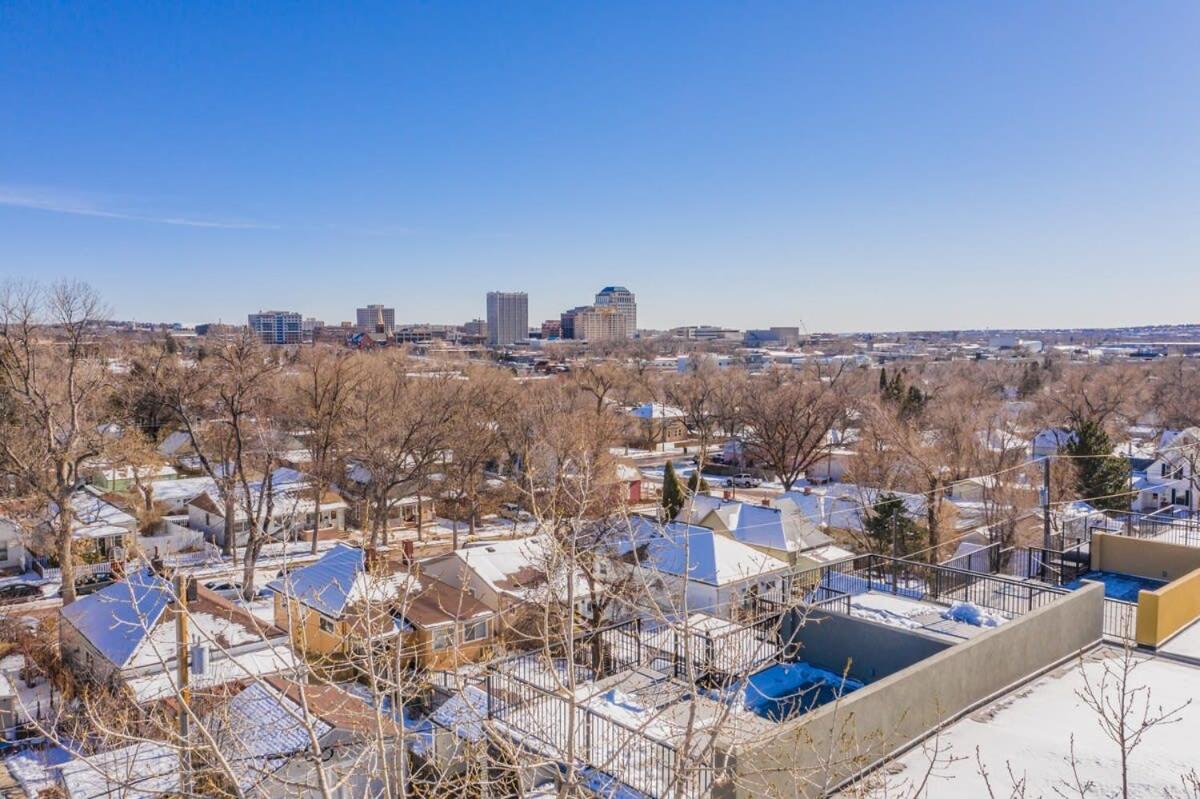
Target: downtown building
[277, 327]
[507, 317]
[623, 300]
[376, 321]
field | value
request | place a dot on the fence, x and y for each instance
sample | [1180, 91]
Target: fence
[1180, 529]
[984, 559]
[920, 581]
[1120, 619]
[42, 567]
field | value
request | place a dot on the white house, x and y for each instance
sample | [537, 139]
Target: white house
[292, 510]
[1169, 480]
[12, 546]
[690, 568]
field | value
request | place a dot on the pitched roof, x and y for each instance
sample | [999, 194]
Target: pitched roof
[116, 619]
[338, 580]
[696, 553]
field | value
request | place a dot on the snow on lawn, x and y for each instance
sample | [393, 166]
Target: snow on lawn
[1031, 730]
[976, 616]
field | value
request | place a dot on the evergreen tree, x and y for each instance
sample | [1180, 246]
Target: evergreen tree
[1101, 477]
[883, 382]
[672, 492]
[697, 483]
[889, 515]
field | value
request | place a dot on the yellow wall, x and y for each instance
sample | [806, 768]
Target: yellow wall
[1168, 610]
[1156, 560]
[307, 636]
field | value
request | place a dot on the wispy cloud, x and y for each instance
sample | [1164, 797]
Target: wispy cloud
[60, 203]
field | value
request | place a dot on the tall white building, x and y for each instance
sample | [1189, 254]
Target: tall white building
[601, 323]
[622, 299]
[507, 317]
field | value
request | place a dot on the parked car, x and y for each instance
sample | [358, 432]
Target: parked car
[743, 480]
[13, 593]
[514, 512]
[229, 589]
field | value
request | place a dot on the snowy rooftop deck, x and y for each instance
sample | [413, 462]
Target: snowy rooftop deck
[1032, 729]
[956, 622]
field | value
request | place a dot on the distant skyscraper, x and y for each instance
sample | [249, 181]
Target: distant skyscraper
[507, 317]
[621, 298]
[277, 327]
[601, 323]
[376, 321]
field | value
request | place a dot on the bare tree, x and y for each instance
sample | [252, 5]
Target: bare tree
[317, 404]
[53, 384]
[792, 421]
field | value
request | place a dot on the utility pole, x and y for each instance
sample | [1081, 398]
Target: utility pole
[184, 672]
[1045, 513]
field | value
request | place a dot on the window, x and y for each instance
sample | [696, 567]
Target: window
[443, 637]
[325, 624]
[475, 631]
[3, 551]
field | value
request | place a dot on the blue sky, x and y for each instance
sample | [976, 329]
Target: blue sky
[846, 165]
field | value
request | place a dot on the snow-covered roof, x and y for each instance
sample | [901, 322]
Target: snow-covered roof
[139, 771]
[782, 527]
[696, 553]
[516, 567]
[221, 669]
[117, 619]
[180, 492]
[656, 410]
[96, 517]
[340, 579]
[266, 729]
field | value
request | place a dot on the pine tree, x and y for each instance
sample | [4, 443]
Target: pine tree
[672, 492]
[1101, 477]
[696, 483]
[888, 515]
[883, 382]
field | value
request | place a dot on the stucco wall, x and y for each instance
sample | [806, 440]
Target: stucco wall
[872, 650]
[1168, 610]
[841, 739]
[1156, 560]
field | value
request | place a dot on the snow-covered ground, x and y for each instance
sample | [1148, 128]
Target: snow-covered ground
[1030, 731]
[33, 768]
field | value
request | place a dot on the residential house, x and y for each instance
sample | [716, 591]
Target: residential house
[267, 733]
[1167, 482]
[292, 510]
[353, 600]
[126, 634]
[510, 577]
[13, 556]
[658, 424]
[405, 509]
[1049, 442]
[109, 477]
[99, 524]
[689, 568]
[779, 530]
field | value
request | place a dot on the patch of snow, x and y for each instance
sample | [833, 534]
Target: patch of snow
[976, 616]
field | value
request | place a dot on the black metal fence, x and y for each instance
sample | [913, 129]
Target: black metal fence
[1177, 529]
[922, 581]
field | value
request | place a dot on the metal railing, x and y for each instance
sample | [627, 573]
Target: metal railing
[1177, 529]
[922, 581]
[1120, 619]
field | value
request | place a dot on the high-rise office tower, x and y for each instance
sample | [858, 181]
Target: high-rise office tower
[622, 299]
[507, 317]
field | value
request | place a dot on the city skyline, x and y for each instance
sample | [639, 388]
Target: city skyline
[848, 168]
